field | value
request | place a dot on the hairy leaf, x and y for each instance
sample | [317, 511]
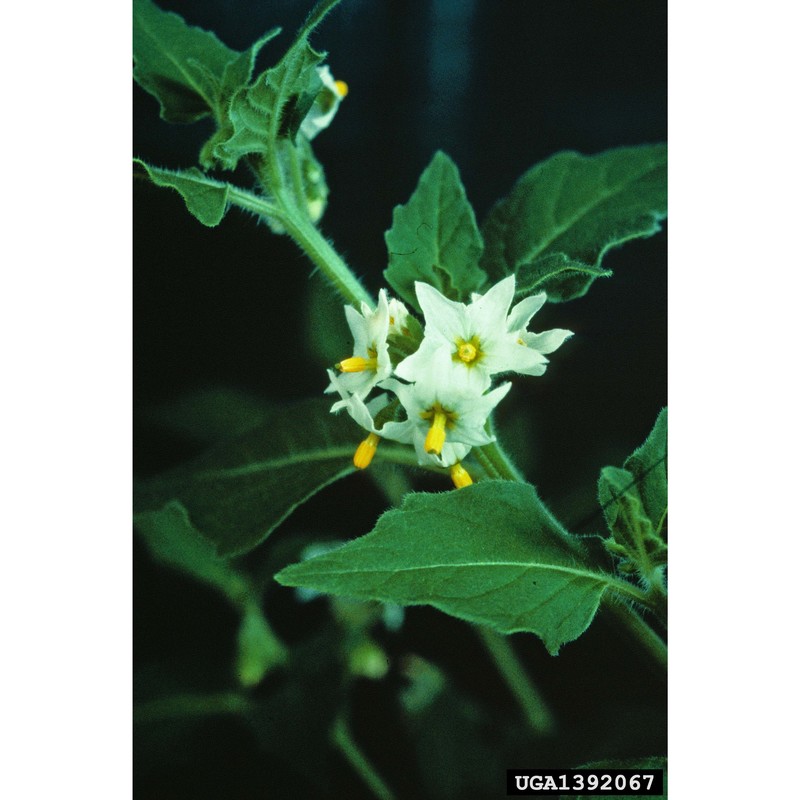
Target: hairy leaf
[274, 105]
[434, 237]
[490, 553]
[565, 213]
[634, 501]
[180, 65]
[240, 491]
[206, 199]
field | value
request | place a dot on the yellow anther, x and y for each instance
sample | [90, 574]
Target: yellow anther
[460, 476]
[434, 441]
[519, 341]
[357, 364]
[365, 452]
[467, 352]
[342, 88]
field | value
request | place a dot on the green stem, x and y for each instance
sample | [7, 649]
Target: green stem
[343, 739]
[639, 630]
[536, 711]
[309, 239]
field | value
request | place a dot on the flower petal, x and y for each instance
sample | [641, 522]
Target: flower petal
[547, 341]
[442, 316]
[523, 312]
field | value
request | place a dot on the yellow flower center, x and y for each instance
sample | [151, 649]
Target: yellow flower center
[341, 88]
[469, 352]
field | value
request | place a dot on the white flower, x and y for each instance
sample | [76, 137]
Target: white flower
[446, 417]
[370, 362]
[326, 104]
[398, 317]
[482, 339]
[364, 415]
[544, 343]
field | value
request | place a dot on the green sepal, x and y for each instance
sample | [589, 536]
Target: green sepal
[434, 237]
[490, 553]
[564, 214]
[243, 488]
[205, 198]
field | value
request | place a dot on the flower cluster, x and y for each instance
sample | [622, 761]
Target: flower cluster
[439, 397]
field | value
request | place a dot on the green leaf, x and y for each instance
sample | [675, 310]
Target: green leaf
[648, 465]
[490, 553]
[634, 501]
[622, 505]
[180, 65]
[434, 237]
[173, 540]
[273, 106]
[240, 491]
[564, 214]
[206, 199]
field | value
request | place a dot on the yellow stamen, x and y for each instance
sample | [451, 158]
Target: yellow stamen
[434, 441]
[365, 452]
[357, 364]
[460, 476]
[519, 341]
[342, 88]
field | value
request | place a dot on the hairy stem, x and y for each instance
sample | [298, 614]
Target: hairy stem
[522, 687]
[343, 739]
[639, 630]
[308, 238]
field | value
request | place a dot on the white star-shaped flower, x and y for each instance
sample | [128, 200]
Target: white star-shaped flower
[482, 339]
[445, 416]
[370, 362]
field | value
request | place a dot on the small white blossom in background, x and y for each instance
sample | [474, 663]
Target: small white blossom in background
[444, 397]
[326, 104]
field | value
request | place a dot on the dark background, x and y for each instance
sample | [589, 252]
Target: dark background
[499, 85]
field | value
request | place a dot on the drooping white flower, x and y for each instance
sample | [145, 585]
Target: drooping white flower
[482, 339]
[326, 104]
[446, 415]
[370, 362]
